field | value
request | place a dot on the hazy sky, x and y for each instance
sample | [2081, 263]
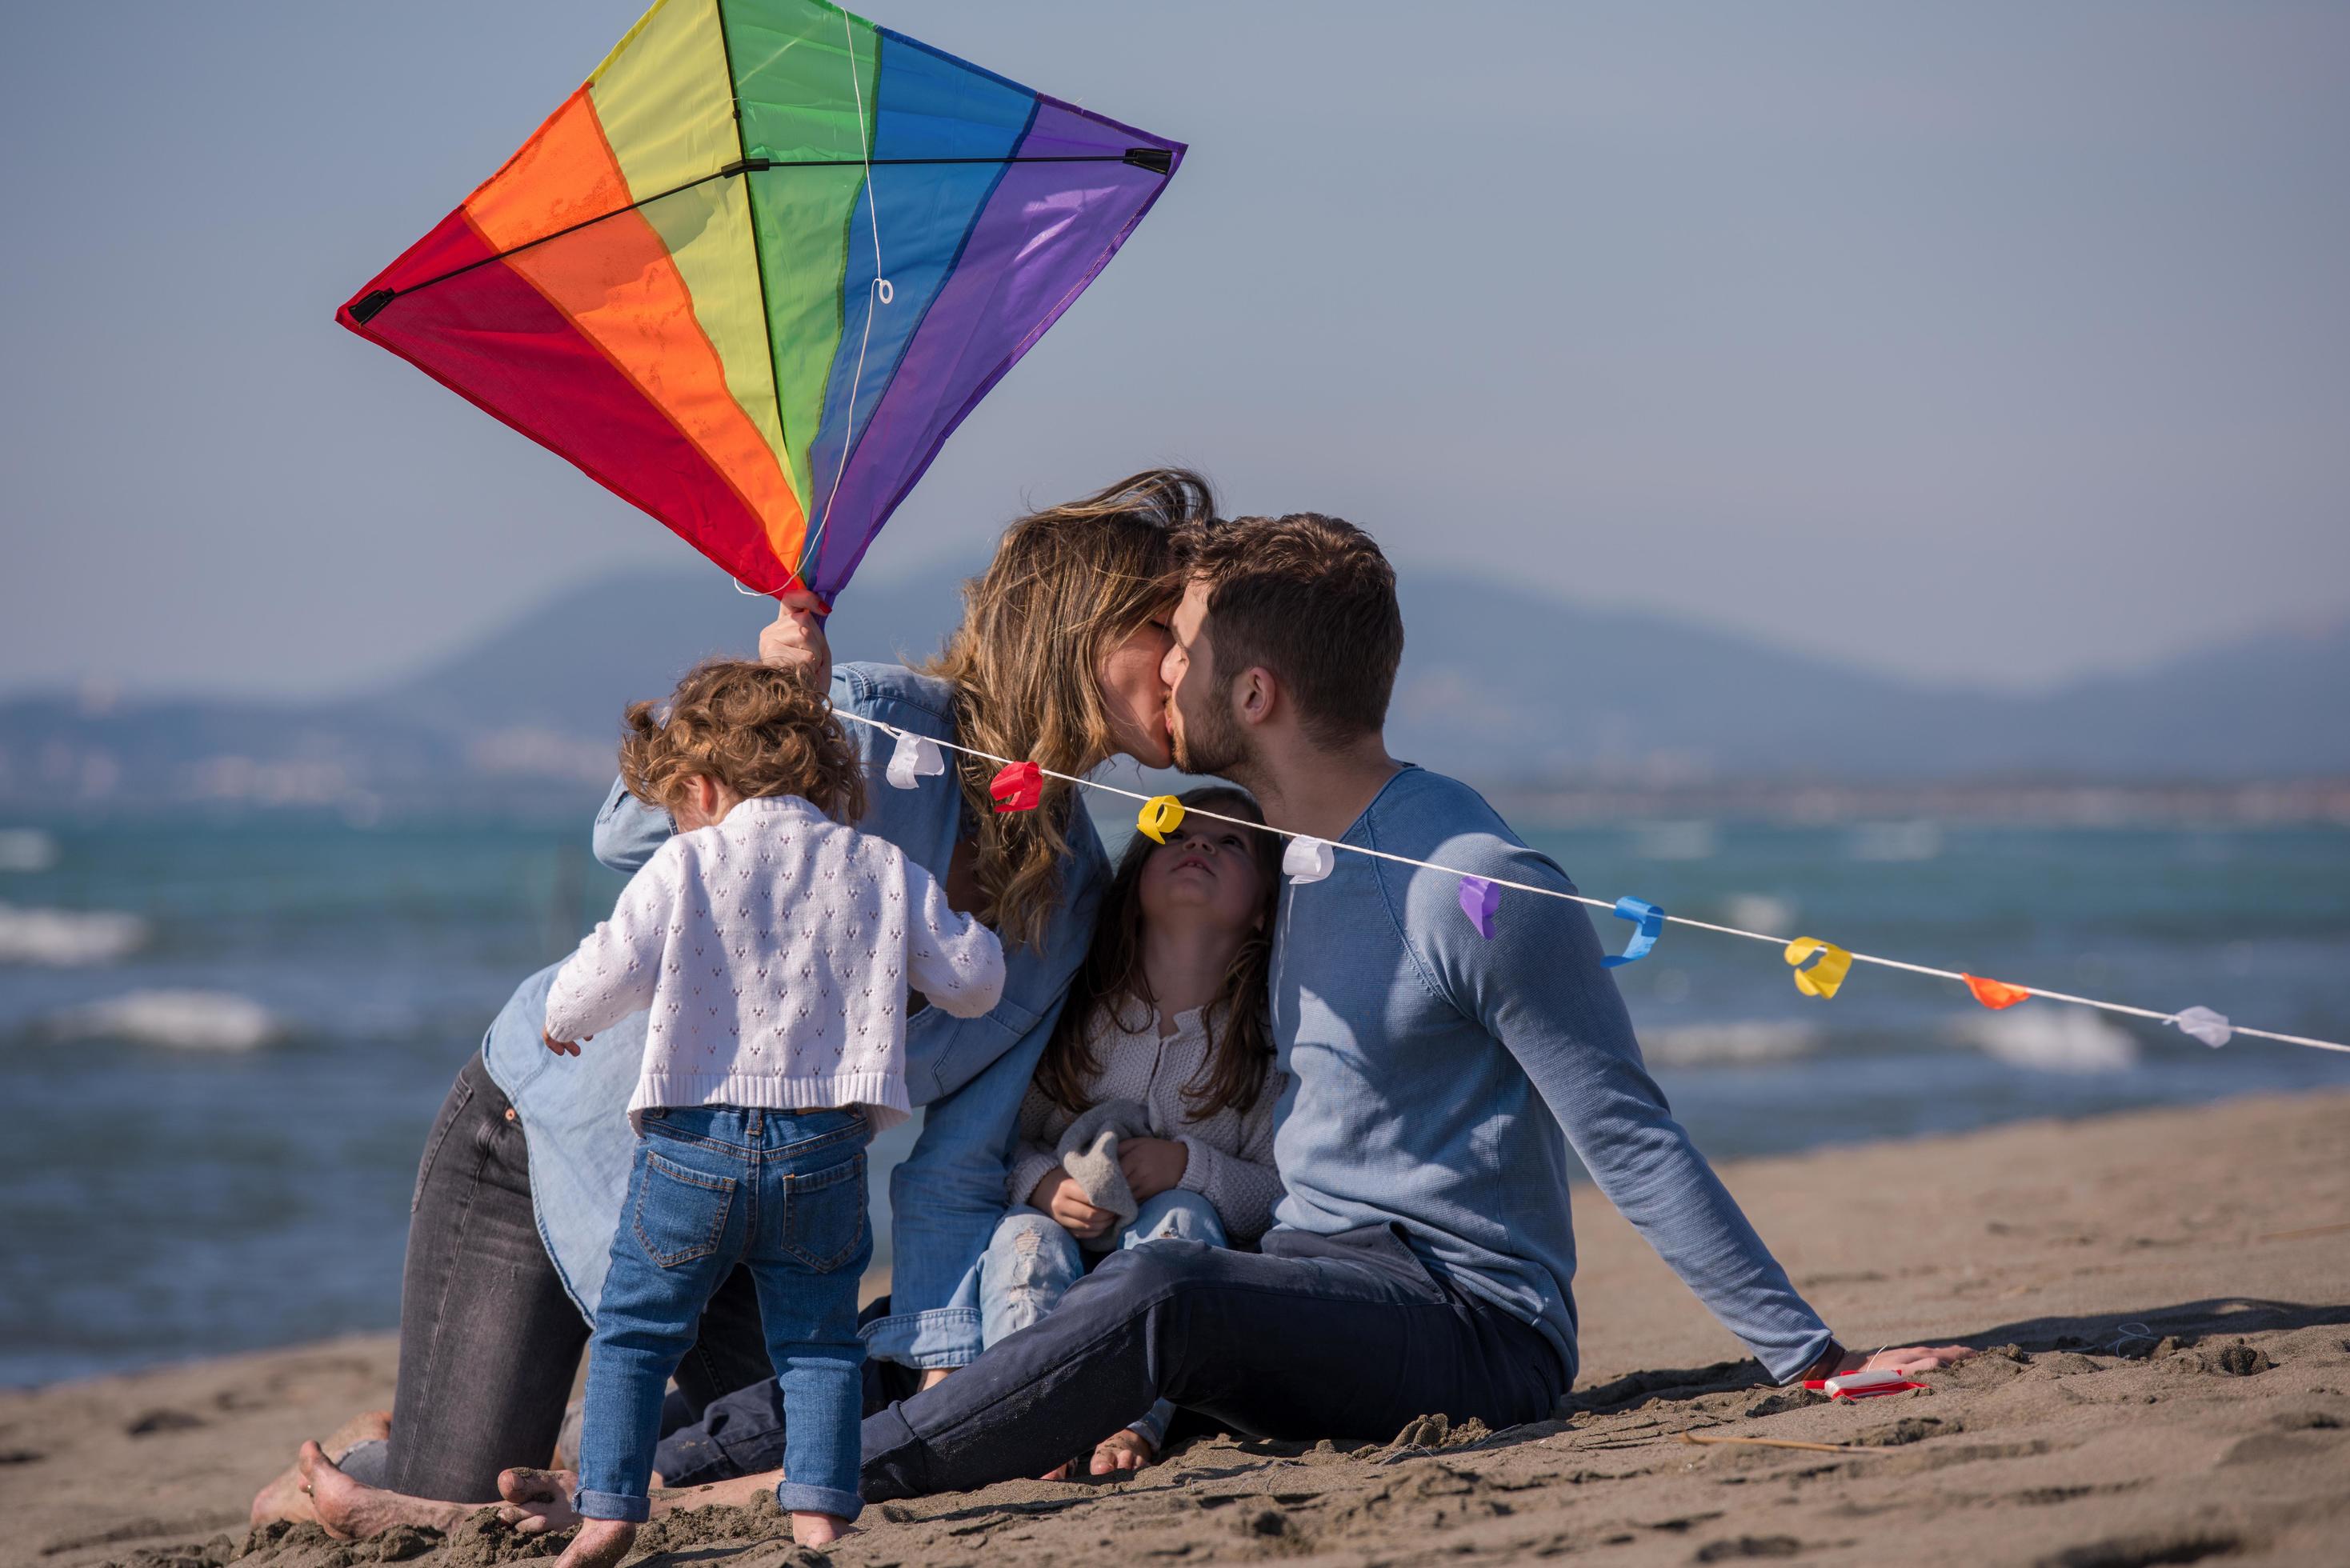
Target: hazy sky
[1984, 341]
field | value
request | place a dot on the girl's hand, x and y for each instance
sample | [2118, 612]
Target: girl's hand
[1059, 1195]
[1152, 1165]
[796, 639]
[561, 1047]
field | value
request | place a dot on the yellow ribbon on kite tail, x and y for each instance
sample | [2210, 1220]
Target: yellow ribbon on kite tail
[1822, 977]
[1160, 815]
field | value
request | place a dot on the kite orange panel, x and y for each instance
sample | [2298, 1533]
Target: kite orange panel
[618, 285]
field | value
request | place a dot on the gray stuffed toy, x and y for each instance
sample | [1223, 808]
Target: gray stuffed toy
[1089, 1152]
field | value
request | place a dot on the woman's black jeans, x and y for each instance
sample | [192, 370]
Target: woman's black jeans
[489, 1341]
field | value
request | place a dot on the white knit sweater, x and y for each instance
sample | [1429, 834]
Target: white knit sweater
[774, 951]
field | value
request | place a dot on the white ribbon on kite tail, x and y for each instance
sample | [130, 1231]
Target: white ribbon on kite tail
[2191, 1015]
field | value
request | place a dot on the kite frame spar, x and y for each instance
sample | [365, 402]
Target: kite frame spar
[1157, 160]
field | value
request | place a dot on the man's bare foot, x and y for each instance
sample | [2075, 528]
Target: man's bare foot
[348, 1510]
[818, 1529]
[1123, 1451]
[537, 1500]
[601, 1544]
[284, 1498]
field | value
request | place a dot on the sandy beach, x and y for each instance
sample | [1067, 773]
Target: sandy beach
[2163, 1298]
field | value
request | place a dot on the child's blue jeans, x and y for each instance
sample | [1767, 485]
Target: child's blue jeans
[1033, 1261]
[782, 1193]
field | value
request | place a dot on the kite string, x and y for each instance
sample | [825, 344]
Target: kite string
[879, 294]
[2158, 1017]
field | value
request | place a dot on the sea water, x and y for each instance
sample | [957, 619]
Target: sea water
[222, 1043]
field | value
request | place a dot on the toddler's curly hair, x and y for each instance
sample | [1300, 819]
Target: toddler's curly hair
[758, 729]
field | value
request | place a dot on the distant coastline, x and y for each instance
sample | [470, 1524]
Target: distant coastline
[1569, 712]
[2016, 802]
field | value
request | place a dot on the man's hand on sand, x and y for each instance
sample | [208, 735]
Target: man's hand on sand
[1909, 1360]
[796, 639]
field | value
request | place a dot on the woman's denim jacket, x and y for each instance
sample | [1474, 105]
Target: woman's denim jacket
[970, 1073]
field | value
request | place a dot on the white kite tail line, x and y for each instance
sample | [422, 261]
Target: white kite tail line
[1781, 942]
[880, 294]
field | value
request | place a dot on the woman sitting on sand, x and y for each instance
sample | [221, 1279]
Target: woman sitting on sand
[1056, 661]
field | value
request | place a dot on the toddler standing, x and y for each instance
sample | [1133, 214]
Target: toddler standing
[773, 947]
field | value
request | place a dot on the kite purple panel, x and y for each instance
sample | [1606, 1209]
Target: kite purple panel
[1044, 233]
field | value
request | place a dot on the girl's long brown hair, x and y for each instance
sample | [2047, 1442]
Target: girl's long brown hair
[1068, 586]
[1112, 982]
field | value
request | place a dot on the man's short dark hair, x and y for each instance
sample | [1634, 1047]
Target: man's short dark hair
[1311, 599]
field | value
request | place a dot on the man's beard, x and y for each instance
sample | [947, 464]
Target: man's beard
[1213, 742]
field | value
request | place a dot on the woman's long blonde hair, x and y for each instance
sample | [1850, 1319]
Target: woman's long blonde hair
[1066, 586]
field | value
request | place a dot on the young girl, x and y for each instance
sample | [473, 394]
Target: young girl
[773, 948]
[1169, 1011]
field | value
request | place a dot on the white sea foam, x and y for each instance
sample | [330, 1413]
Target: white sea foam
[27, 849]
[182, 1020]
[1896, 842]
[2051, 1039]
[68, 936]
[1764, 912]
[1675, 840]
[1746, 1043]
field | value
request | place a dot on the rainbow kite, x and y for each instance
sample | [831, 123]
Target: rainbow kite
[754, 271]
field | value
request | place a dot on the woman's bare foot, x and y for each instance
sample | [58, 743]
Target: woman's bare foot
[601, 1544]
[284, 1498]
[539, 1500]
[348, 1509]
[536, 1500]
[1123, 1451]
[818, 1529]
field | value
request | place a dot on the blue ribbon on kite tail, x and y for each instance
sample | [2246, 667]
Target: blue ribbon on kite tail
[1648, 921]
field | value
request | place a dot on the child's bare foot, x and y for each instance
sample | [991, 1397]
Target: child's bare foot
[601, 1544]
[350, 1509]
[534, 1502]
[284, 1498]
[818, 1529]
[1121, 1451]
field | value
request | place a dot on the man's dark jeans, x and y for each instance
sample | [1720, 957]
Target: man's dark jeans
[489, 1341]
[1318, 1336]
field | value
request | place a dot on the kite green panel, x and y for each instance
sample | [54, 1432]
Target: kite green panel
[803, 85]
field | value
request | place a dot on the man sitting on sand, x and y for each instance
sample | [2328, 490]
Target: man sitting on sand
[1438, 1078]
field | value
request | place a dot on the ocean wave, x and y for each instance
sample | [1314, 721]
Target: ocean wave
[178, 1020]
[1764, 912]
[27, 849]
[1894, 843]
[68, 936]
[1746, 1043]
[1675, 840]
[2051, 1039]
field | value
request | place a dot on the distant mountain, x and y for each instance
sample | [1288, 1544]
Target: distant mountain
[1501, 685]
[1519, 686]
